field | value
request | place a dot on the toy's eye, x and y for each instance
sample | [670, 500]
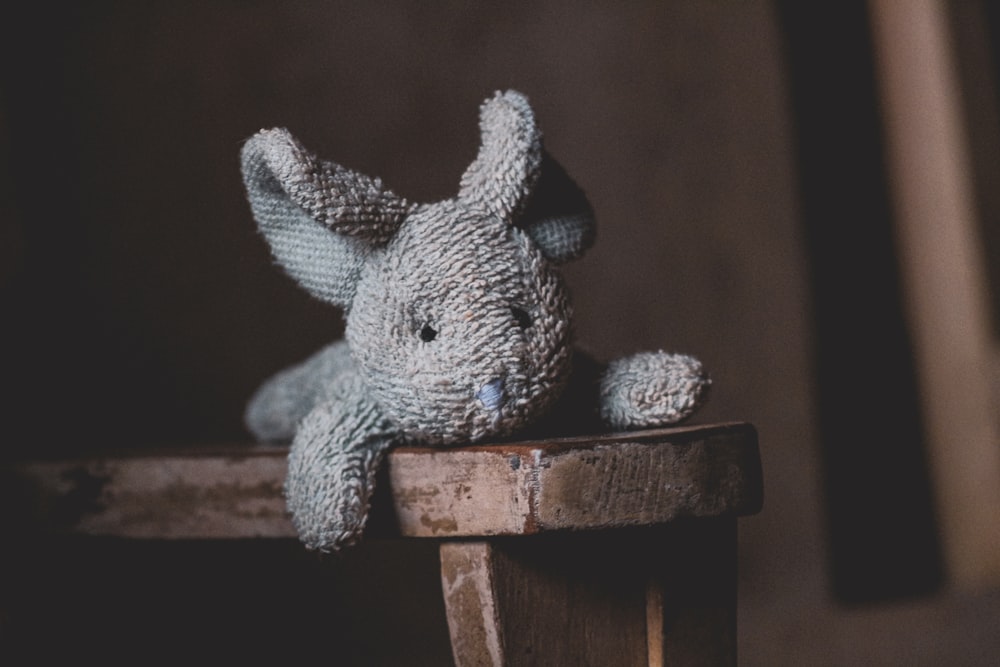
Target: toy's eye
[521, 316]
[428, 333]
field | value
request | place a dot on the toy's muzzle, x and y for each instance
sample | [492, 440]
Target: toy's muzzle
[491, 395]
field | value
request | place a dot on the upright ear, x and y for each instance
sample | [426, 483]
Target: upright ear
[558, 217]
[517, 181]
[505, 171]
[319, 218]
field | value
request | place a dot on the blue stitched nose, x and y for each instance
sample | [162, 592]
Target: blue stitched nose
[491, 394]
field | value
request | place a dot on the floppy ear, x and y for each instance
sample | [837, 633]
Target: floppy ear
[506, 169]
[318, 217]
[558, 218]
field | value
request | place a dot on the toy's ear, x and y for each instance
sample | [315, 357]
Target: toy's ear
[517, 181]
[318, 217]
[505, 171]
[558, 218]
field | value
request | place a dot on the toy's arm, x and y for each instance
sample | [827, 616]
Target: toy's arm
[277, 407]
[332, 462]
[646, 390]
[652, 389]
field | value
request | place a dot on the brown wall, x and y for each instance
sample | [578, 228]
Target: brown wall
[125, 129]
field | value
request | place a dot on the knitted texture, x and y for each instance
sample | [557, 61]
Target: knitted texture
[458, 326]
[466, 302]
[297, 202]
[558, 217]
[503, 175]
[332, 465]
[279, 404]
[652, 389]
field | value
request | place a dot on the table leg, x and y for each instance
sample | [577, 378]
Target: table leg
[657, 596]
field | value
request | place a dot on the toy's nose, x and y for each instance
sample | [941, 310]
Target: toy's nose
[491, 394]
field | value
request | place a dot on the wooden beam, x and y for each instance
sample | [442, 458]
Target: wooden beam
[944, 278]
[233, 493]
[629, 479]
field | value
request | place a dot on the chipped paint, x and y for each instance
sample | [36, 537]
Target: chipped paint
[638, 478]
[444, 525]
[470, 599]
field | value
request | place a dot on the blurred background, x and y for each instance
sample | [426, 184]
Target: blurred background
[803, 196]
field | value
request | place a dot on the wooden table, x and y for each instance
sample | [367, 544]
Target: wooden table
[601, 550]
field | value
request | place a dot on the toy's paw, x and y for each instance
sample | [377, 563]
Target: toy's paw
[275, 409]
[330, 480]
[652, 389]
[269, 420]
[279, 404]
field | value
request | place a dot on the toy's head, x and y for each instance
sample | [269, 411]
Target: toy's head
[456, 318]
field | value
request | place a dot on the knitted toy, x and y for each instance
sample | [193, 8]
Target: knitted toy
[457, 324]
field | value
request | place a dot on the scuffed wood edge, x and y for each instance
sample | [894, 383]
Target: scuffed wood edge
[629, 479]
[451, 493]
[168, 497]
[637, 479]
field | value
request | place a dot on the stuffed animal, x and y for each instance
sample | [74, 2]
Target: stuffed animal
[458, 327]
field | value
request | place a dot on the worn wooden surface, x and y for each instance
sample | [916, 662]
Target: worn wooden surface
[609, 550]
[468, 585]
[231, 494]
[632, 479]
[648, 596]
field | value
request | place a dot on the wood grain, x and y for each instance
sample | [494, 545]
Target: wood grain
[662, 595]
[173, 496]
[607, 550]
[544, 600]
[631, 479]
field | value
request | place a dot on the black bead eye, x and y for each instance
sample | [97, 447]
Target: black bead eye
[428, 333]
[521, 316]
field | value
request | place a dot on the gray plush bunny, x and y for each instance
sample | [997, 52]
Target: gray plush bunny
[458, 327]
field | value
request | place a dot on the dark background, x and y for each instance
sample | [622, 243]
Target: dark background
[733, 155]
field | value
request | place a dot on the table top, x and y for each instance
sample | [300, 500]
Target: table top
[605, 481]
